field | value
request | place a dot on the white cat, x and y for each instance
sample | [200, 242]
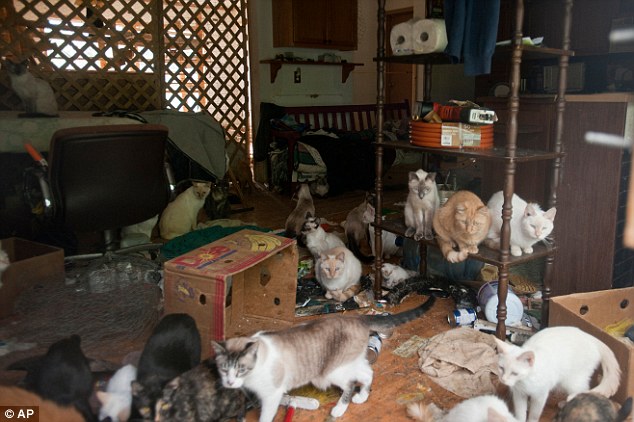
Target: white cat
[529, 224]
[486, 408]
[36, 94]
[116, 401]
[181, 215]
[338, 271]
[394, 275]
[388, 239]
[556, 357]
[422, 202]
[317, 239]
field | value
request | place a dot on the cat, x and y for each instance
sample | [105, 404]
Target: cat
[591, 407]
[529, 224]
[198, 396]
[389, 240]
[324, 351]
[36, 94]
[181, 215]
[173, 348]
[556, 357]
[339, 272]
[218, 205]
[319, 186]
[296, 218]
[63, 376]
[49, 411]
[394, 275]
[356, 228]
[487, 408]
[116, 401]
[422, 202]
[317, 239]
[464, 222]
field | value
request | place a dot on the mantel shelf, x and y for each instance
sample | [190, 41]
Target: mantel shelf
[276, 65]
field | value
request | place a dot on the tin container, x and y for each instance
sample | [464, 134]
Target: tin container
[374, 347]
[462, 317]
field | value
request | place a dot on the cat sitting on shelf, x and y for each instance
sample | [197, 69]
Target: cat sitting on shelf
[36, 94]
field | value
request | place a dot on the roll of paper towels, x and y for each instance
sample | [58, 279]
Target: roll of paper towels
[401, 38]
[429, 36]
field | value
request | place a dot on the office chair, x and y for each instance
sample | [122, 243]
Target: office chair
[103, 178]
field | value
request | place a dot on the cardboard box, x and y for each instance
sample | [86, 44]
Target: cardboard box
[31, 263]
[235, 286]
[460, 135]
[592, 312]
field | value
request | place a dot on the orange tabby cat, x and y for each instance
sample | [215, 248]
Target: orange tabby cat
[463, 222]
[48, 410]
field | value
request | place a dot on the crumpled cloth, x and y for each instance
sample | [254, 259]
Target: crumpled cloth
[460, 360]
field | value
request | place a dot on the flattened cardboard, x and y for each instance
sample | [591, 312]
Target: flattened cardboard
[235, 286]
[592, 312]
[31, 263]
[460, 135]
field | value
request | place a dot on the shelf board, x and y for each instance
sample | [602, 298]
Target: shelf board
[276, 65]
[494, 154]
[430, 58]
[396, 225]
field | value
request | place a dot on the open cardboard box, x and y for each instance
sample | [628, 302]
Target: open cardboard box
[592, 312]
[30, 263]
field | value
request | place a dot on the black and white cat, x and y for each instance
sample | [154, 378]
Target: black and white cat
[317, 239]
[172, 349]
[36, 94]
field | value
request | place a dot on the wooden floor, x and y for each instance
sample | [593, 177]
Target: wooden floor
[397, 380]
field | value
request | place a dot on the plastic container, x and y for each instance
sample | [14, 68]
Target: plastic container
[488, 300]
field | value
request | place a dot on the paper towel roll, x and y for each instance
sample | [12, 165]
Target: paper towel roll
[401, 38]
[429, 36]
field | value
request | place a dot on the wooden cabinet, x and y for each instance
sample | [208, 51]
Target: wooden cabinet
[324, 24]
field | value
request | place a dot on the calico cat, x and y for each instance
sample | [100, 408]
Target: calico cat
[316, 238]
[356, 228]
[296, 218]
[464, 222]
[49, 411]
[488, 408]
[592, 407]
[63, 376]
[422, 202]
[388, 239]
[529, 224]
[181, 215]
[324, 351]
[36, 94]
[338, 271]
[556, 357]
[116, 401]
[198, 396]
[173, 348]
[394, 275]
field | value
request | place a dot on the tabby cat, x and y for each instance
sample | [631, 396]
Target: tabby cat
[198, 396]
[422, 202]
[36, 94]
[325, 351]
[296, 218]
[339, 273]
[463, 222]
[356, 228]
[181, 215]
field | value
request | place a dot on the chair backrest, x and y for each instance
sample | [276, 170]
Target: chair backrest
[107, 177]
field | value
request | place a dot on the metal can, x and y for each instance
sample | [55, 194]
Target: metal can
[374, 347]
[461, 317]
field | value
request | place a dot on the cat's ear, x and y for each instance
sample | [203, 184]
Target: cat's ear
[308, 215]
[412, 176]
[495, 416]
[103, 397]
[431, 176]
[317, 221]
[550, 214]
[527, 357]
[502, 346]
[218, 347]
[341, 256]
[251, 348]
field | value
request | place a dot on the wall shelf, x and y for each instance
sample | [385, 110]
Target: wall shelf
[276, 65]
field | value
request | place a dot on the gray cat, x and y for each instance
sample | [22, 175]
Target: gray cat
[36, 94]
[198, 396]
[324, 352]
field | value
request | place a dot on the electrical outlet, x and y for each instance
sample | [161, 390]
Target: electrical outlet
[298, 76]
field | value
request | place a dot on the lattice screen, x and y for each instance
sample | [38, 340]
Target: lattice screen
[102, 55]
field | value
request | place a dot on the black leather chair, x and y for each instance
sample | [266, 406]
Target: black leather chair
[102, 178]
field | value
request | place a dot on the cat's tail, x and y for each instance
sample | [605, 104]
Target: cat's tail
[385, 322]
[424, 412]
[625, 411]
[354, 248]
[611, 372]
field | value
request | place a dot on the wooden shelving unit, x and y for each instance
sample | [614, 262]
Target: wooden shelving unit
[276, 65]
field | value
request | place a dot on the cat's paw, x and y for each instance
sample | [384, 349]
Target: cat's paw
[418, 236]
[516, 251]
[410, 232]
[429, 235]
[455, 257]
[360, 397]
[338, 410]
[528, 250]
[328, 294]
[471, 249]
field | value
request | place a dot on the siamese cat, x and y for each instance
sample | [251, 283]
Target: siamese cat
[181, 215]
[339, 273]
[36, 94]
[422, 202]
[325, 351]
[304, 207]
[393, 275]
